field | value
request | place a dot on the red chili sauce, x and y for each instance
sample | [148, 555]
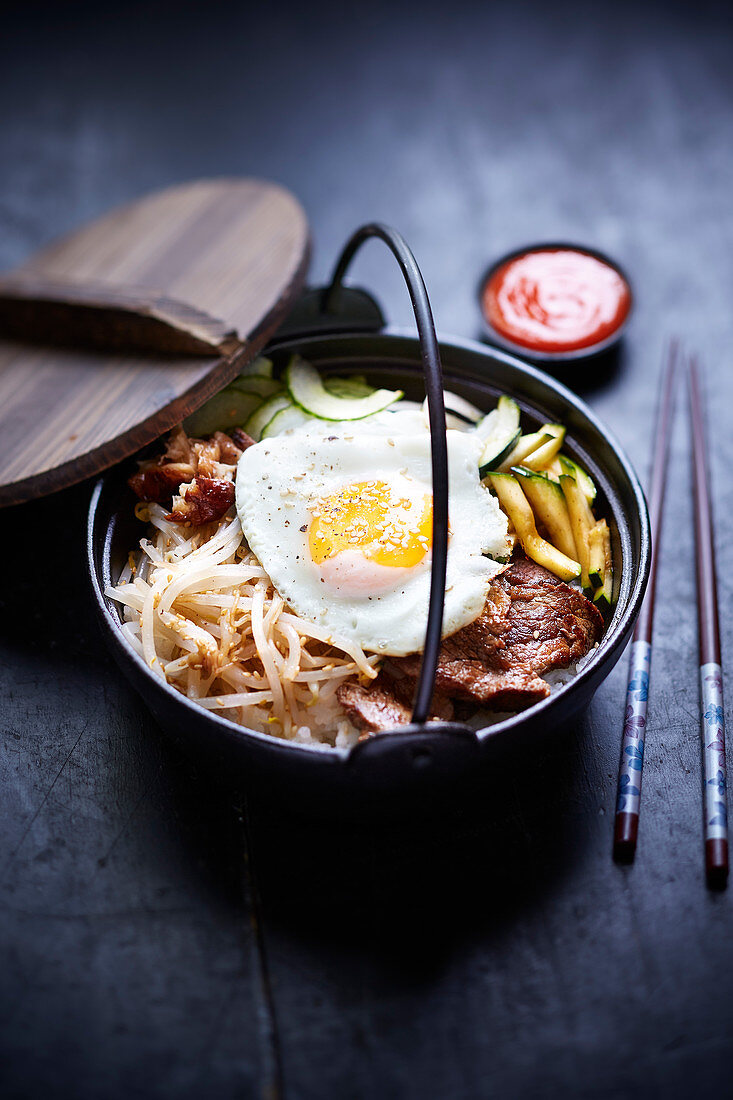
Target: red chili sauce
[555, 300]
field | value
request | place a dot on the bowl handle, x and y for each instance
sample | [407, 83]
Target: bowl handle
[433, 373]
[415, 757]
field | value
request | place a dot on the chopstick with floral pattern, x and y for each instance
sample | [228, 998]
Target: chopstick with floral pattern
[626, 825]
[712, 724]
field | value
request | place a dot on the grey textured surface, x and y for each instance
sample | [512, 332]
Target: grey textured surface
[159, 940]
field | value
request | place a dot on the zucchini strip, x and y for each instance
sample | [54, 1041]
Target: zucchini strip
[603, 598]
[517, 507]
[525, 445]
[581, 519]
[564, 465]
[596, 561]
[499, 431]
[538, 459]
[550, 508]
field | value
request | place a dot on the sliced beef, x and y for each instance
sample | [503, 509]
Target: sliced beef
[386, 702]
[549, 625]
[496, 682]
[474, 663]
[531, 623]
[373, 708]
[493, 679]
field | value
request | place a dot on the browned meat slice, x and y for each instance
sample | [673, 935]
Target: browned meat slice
[493, 680]
[159, 483]
[531, 623]
[383, 704]
[229, 452]
[374, 707]
[184, 459]
[207, 455]
[177, 448]
[203, 500]
[550, 625]
[241, 439]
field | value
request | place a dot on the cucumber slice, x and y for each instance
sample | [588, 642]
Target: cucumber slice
[264, 413]
[515, 504]
[307, 390]
[286, 420]
[261, 366]
[549, 506]
[226, 409]
[461, 408]
[255, 383]
[453, 421]
[354, 386]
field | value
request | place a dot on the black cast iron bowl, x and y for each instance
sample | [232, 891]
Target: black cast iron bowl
[414, 765]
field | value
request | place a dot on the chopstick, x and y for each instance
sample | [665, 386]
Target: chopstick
[712, 724]
[626, 825]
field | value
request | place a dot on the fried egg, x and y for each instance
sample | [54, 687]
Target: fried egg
[341, 519]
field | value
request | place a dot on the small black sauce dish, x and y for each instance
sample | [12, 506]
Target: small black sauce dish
[555, 359]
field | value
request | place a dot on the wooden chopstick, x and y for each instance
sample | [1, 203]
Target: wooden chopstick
[626, 825]
[712, 726]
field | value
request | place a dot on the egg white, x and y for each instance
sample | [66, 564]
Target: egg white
[278, 484]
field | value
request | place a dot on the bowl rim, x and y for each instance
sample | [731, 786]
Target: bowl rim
[613, 638]
[559, 357]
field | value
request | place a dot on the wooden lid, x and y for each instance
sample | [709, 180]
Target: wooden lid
[224, 258]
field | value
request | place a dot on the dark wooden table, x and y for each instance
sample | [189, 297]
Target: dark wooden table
[161, 938]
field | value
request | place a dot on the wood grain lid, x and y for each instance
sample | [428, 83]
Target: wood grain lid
[223, 260]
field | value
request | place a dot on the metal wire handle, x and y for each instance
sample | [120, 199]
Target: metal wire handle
[433, 372]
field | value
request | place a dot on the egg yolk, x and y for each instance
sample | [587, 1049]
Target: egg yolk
[370, 518]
